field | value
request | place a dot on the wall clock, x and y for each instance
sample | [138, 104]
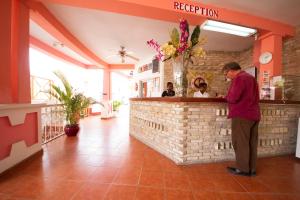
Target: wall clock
[265, 57]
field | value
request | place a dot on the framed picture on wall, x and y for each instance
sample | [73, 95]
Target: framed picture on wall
[155, 65]
[252, 71]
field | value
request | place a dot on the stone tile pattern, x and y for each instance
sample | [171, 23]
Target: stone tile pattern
[201, 132]
[292, 87]
[291, 54]
[291, 63]
[213, 63]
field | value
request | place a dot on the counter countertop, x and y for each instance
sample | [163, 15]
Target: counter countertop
[190, 99]
[21, 105]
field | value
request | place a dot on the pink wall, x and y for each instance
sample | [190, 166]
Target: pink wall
[24, 95]
[271, 43]
[277, 55]
[28, 131]
[5, 64]
[256, 53]
[14, 52]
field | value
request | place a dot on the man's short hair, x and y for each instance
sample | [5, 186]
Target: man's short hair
[231, 66]
[204, 85]
[169, 83]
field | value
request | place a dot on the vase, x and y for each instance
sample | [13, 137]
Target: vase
[71, 130]
[180, 76]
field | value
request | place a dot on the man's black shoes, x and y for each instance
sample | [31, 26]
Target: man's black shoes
[236, 171]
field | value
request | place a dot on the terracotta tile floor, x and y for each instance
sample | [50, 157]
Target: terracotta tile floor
[104, 162]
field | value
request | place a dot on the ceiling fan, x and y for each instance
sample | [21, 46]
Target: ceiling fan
[123, 54]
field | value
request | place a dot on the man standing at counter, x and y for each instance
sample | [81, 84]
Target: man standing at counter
[243, 104]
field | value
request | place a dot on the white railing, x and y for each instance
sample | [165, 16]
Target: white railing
[53, 121]
[39, 87]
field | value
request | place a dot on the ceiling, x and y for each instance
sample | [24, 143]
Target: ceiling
[39, 33]
[286, 11]
[104, 32]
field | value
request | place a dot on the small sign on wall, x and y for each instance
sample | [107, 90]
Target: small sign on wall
[265, 92]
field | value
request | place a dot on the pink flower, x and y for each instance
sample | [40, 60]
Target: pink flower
[152, 43]
[184, 35]
[183, 25]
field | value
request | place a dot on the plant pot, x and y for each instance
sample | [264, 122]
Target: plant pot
[71, 130]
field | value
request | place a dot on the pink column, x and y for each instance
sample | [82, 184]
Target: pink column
[256, 53]
[269, 43]
[106, 84]
[14, 52]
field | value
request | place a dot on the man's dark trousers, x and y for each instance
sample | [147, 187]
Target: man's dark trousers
[244, 141]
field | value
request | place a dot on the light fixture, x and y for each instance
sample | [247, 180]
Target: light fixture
[228, 28]
[58, 44]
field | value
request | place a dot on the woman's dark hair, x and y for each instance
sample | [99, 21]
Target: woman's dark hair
[231, 66]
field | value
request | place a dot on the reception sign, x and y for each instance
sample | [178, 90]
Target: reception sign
[200, 10]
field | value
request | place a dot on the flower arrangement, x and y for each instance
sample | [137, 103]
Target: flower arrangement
[180, 44]
[280, 83]
[182, 50]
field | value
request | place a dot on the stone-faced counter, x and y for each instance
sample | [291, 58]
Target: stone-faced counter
[195, 130]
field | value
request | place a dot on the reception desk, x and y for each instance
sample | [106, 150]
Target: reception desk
[196, 130]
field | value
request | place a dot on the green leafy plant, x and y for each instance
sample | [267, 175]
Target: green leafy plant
[72, 102]
[116, 105]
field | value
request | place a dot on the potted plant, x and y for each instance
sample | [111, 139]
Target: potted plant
[72, 102]
[116, 105]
